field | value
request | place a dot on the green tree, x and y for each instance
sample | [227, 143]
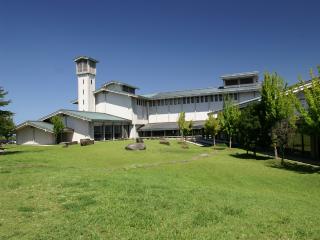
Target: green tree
[7, 127]
[4, 103]
[250, 127]
[277, 104]
[58, 127]
[229, 119]
[212, 127]
[310, 115]
[283, 130]
[185, 127]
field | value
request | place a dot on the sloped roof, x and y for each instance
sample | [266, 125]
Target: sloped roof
[48, 127]
[239, 75]
[119, 83]
[86, 116]
[86, 58]
[169, 126]
[203, 91]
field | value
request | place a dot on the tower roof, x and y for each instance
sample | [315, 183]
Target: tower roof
[85, 58]
[239, 75]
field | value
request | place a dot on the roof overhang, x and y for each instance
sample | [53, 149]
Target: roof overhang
[240, 75]
[33, 124]
[80, 115]
[85, 58]
[164, 126]
[119, 83]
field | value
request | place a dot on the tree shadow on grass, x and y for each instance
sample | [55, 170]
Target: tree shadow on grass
[296, 167]
[12, 152]
[250, 156]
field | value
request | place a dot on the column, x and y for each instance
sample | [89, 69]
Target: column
[104, 132]
[112, 131]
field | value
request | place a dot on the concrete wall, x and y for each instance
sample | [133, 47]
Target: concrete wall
[86, 87]
[140, 112]
[196, 111]
[34, 136]
[114, 104]
[82, 129]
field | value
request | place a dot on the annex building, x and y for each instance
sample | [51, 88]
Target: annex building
[117, 111]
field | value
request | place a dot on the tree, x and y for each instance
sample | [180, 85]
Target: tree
[58, 127]
[6, 122]
[277, 104]
[250, 127]
[212, 127]
[4, 103]
[7, 127]
[310, 115]
[229, 119]
[283, 130]
[185, 127]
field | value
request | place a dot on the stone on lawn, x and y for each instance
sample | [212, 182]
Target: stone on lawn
[164, 141]
[136, 146]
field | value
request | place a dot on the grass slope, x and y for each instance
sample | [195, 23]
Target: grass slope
[104, 192]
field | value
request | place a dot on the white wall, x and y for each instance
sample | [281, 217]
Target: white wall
[31, 135]
[82, 129]
[86, 87]
[140, 112]
[194, 111]
[114, 104]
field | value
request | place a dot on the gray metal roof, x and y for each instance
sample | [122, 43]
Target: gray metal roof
[240, 75]
[86, 58]
[86, 116]
[48, 127]
[203, 91]
[119, 83]
[169, 126]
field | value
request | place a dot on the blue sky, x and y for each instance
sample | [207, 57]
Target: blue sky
[157, 45]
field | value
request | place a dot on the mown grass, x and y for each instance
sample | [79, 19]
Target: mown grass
[166, 192]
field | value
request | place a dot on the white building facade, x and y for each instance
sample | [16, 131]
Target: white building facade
[116, 111]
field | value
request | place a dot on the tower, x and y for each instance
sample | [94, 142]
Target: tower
[86, 73]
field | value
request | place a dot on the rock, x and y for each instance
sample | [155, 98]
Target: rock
[136, 146]
[164, 141]
[184, 145]
[139, 140]
[204, 155]
[85, 142]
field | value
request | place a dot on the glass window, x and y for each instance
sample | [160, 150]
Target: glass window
[201, 98]
[184, 100]
[197, 99]
[216, 98]
[220, 97]
[235, 96]
[211, 98]
[188, 100]
[192, 99]
[206, 98]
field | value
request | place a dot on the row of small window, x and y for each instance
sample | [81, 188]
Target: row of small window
[141, 102]
[187, 100]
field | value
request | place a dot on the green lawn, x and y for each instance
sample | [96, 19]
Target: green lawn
[166, 192]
